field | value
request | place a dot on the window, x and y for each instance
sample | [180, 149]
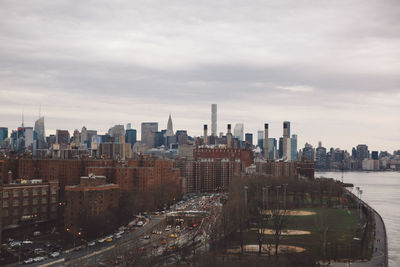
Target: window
[44, 191]
[5, 194]
[16, 203]
[15, 212]
[34, 201]
[5, 213]
[44, 209]
[44, 200]
[5, 203]
[26, 211]
[53, 199]
[35, 191]
[54, 190]
[35, 209]
[25, 192]
[16, 193]
[26, 202]
[53, 208]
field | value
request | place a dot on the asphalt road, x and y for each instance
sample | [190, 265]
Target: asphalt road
[91, 255]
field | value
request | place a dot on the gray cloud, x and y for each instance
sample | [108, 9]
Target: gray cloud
[332, 68]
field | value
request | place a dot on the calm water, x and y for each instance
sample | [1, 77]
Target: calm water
[381, 190]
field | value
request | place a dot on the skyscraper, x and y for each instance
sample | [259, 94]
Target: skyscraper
[170, 129]
[266, 142]
[249, 138]
[293, 147]
[260, 140]
[272, 148]
[62, 138]
[288, 127]
[286, 140]
[147, 133]
[3, 134]
[40, 133]
[238, 131]
[320, 157]
[214, 119]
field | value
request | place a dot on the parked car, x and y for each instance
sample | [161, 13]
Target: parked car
[101, 240]
[77, 248]
[91, 244]
[55, 254]
[146, 237]
[38, 259]
[109, 239]
[28, 261]
[117, 236]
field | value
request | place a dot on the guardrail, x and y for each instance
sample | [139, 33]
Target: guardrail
[383, 223]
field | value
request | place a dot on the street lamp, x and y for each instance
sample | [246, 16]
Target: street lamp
[245, 194]
[284, 195]
[277, 196]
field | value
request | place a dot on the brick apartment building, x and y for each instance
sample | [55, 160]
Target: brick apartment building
[245, 156]
[93, 196]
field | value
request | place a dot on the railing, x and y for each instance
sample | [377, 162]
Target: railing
[383, 223]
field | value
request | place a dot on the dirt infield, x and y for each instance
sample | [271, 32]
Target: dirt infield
[284, 232]
[292, 212]
[267, 249]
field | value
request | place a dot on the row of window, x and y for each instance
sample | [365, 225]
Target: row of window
[25, 192]
[35, 201]
[26, 211]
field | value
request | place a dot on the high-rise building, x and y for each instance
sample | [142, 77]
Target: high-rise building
[288, 127]
[293, 148]
[77, 137]
[249, 138]
[238, 131]
[62, 138]
[374, 155]
[170, 129]
[40, 133]
[362, 152]
[147, 133]
[280, 153]
[286, 140]
[84, 135]
[308, 152]
[3, 134]
[214, 119]
[128, 126]
[28, 137]
[272, 148]
[118, 133]
[320, 158]
[266, 142]
[130, 137]
[260, 140]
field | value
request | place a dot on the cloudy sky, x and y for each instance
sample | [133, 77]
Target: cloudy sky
[332, 68]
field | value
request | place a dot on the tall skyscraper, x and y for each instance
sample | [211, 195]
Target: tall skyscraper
[288, 127]
[272, 148]
[362, 152]
[293, 147]
[128, 126]
[320, 157]
[266, 144]
[147, 133]
[249, 138]
[238, 131]
[170, 129]
[286, 136]
[118, 132]
[3, 134]
[62, 138]
[40, 133]
[214, 119]
[260, 140]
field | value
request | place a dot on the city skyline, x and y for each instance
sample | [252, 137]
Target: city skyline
[332, 73]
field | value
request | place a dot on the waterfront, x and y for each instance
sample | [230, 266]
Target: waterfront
[381, 190]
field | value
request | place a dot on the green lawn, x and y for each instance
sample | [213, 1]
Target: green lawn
[342, 229]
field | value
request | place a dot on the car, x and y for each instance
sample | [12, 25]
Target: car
[37, 233]
[109, 239]
[146, 237]
[28, 261]
[139, 223]
[167, 229]
[15, 244]
[27, 242]
[101, 240]
[173, 235]
[91, 244]
[77, 248]
[117, 236]
[55, 254]
[38, 259]
[154, 232]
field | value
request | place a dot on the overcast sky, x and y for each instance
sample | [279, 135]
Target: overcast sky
[332, 68]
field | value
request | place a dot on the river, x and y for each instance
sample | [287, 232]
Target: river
[381, 190]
